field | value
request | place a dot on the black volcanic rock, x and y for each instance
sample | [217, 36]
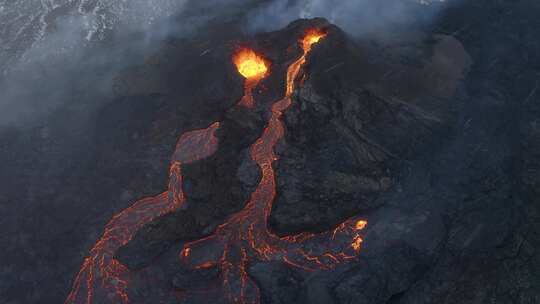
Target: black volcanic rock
[347, 135]
[446, 170]
[384, 279]
[221, 184]
[347, 138]
[281, 284]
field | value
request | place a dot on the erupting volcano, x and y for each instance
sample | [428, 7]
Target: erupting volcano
[244, 237]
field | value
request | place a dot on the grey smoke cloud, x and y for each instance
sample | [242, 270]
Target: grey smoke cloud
[62, 52]
[355, 16]
[67, 52]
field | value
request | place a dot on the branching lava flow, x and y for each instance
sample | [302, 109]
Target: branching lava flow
[252, 67]
[245, 236]
[100, 271]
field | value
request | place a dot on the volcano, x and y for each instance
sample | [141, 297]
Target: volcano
[244, 235]
[286, 176]
[396, 162]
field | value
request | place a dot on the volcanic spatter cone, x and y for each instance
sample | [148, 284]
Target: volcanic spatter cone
[284, 176]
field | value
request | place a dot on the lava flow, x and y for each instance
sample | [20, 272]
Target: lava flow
[252, 67]
[244, 237]
[101, 271]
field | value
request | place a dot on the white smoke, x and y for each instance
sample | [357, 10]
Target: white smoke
[355, 16]
[51, 50]
[29, 24]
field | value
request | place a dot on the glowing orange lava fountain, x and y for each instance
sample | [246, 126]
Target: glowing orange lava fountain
[244, 236]
[252, 67]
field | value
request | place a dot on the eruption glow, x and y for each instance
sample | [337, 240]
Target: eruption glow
[100, 266]
[252, 67]
[245, 237]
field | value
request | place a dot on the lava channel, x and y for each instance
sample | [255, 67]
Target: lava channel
[100, 271]
[100, 267]
[245, 237]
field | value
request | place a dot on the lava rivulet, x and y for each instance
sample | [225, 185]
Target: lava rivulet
[253, 67]
[101, 271]
[244, 237]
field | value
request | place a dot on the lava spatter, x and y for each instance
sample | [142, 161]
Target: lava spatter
[101, 272]
[245, 237]
[253, 68]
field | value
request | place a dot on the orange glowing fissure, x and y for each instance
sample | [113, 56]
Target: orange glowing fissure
[243, 238]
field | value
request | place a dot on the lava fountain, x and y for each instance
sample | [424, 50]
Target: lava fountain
[245, 238]
[253, 68]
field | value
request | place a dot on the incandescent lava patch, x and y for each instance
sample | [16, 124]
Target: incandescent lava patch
[249, 64]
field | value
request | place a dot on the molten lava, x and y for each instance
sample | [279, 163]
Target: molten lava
[101, 267]
[361, 224]
[249, 64]
[312, 37]
[252, 67]
[244, 237]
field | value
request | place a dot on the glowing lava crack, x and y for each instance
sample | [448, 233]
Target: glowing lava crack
[244, 237]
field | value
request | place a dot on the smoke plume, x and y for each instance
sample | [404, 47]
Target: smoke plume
[67, 52]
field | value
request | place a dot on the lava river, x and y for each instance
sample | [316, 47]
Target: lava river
[244, 237]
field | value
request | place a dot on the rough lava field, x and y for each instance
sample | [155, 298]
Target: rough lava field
[270, 152]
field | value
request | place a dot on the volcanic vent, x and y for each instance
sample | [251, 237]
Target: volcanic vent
[245, 235]
[253, 67]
